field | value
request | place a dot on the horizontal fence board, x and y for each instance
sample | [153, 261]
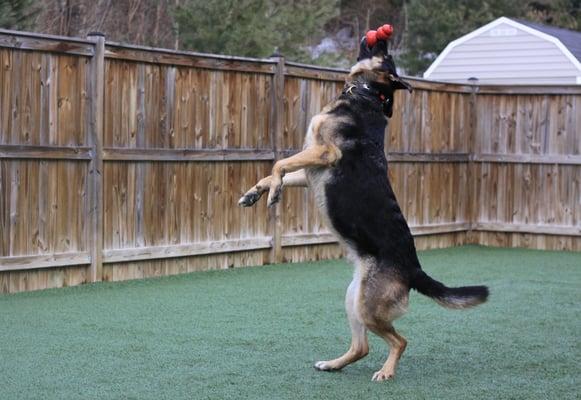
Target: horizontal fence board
[440, 86]
[527, 240]
[113, 154]
[194, 60]
[161, 50]
[565, 230]
[315, 73]
[439, 228]
[43, 261]
[411, 157]
[48, 43]
[183, 250]
[564, 159]
[428, 157]
[529, 89]
[309, 239]
[45, 152]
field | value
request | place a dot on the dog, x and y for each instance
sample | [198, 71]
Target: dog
[343, 163]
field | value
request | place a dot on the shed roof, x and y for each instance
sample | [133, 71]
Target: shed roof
[555, 35]
[571, 39]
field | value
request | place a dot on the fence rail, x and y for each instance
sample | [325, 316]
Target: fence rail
[121, 162]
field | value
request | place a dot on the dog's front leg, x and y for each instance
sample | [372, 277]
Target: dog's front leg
[297, 178]
[319, 155]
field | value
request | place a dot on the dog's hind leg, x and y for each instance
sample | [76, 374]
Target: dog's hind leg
[297, 178]
[359, 345]
[397, 345]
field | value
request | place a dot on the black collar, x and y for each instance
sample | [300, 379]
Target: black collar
[354, 88]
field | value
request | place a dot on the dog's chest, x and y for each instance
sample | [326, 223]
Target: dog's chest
[317, 178]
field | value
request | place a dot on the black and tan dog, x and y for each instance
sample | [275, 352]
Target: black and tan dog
[344, 164]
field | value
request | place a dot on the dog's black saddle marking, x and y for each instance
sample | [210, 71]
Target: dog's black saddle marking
[360, 200]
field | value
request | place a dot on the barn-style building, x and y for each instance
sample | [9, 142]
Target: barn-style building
[508, 51]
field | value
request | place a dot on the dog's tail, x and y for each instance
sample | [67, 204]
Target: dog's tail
[458, 297]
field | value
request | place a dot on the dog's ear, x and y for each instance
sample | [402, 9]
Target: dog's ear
[379, 49]
[364, 50]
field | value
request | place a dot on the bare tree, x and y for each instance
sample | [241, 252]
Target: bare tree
[146, 22]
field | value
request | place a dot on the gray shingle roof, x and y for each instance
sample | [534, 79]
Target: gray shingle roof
[570, 39]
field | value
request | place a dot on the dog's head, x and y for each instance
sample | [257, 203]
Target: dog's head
[377, 66]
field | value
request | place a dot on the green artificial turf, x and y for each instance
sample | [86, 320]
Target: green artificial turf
[255, 333]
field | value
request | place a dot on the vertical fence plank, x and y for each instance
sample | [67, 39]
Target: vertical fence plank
[277, 131]
[473, 147]
[97, 83]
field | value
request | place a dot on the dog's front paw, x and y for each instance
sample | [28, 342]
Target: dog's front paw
[274, 193]
[382, 375]
[325, 366]
[249, 199]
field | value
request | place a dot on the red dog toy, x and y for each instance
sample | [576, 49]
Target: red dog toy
[371, 38]
[384, 32]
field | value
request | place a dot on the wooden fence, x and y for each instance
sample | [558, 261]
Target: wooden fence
[121, 162]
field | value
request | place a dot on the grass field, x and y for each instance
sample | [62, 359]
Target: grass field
[255, 333]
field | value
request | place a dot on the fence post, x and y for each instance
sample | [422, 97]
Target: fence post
[95, 181]
[473, 189]
[277, 129]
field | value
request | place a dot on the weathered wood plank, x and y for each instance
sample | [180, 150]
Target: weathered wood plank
[428, 157]
[45, 152]
[277, 129]
[547, 229]
[95, 184]
[308, 239]
[187, 59]
[529, 89]
[183, 250]
[48, 43]
[409, 157]
[18, 263]
[299, 71]
[125, 154]
[562, 159]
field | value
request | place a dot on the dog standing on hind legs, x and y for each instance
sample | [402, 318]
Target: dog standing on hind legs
[344, 164]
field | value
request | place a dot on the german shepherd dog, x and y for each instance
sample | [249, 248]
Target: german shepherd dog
[344, 164]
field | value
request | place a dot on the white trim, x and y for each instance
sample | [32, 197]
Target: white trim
[579, 80]
[491, 25]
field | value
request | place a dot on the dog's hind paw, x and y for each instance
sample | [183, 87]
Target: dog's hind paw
[324, 366]
[248, 199]
[382, 376]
